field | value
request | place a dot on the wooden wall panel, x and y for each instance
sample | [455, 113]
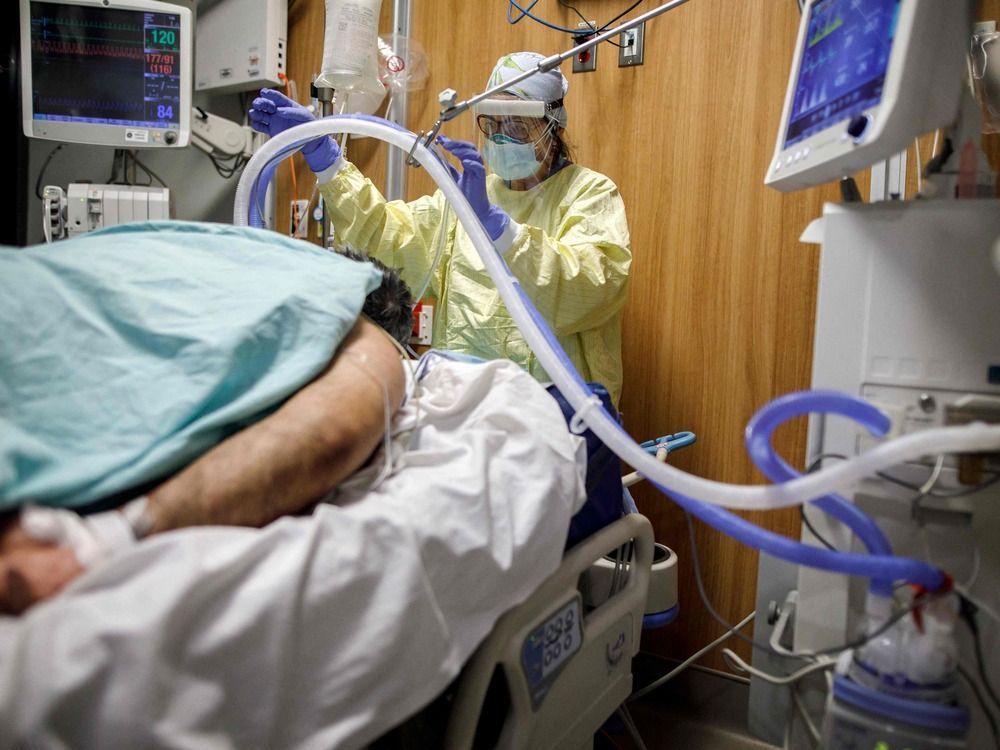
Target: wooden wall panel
[720, 311]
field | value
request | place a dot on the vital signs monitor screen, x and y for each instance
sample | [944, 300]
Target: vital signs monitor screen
[109, 66]
[844, 62]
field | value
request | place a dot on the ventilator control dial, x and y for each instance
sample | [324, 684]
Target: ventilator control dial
[858, 126]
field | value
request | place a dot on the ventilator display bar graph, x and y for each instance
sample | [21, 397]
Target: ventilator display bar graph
[843, 65]
[105, 65]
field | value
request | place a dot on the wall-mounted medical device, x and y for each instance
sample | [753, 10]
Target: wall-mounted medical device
[240, 45]
[106, 72]
[868, 77]
[87, 207]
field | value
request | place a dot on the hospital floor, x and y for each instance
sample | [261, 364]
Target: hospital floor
[697, 709]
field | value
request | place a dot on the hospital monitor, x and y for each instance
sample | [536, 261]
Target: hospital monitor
[106, 72]
[867, 78]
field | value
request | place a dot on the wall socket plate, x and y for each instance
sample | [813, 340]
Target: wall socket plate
[632, 41]
[423, 324]
[298, 219]
[585, 61]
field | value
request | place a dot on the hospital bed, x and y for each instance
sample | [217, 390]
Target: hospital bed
[228, 645]
[557, 666]
[564, 708]
[515, 692]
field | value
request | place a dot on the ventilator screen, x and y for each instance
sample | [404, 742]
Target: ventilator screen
[844, 62]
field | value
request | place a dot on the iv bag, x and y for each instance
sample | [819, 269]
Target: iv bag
[350, 63]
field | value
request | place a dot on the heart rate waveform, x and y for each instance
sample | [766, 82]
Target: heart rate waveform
[65, 20]
[76, 104]
[78, 48]
[826, 30]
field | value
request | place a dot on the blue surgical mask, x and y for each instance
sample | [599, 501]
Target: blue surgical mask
[511, 159]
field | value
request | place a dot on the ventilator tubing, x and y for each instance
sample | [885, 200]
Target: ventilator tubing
[969, 438]
[759, 433]
[876, 567]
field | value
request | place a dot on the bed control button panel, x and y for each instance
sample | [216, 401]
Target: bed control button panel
[550, 646]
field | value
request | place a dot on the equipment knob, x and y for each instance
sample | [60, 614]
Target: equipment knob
[858, 126]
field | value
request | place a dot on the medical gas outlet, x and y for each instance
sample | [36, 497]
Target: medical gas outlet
[585, 60]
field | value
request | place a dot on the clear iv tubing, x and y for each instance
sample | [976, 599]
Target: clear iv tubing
[967, 438]
[442, 237]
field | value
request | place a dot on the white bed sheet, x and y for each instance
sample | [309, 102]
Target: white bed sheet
[315, 632]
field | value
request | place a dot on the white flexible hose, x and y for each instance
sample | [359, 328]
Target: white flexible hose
[837, 478]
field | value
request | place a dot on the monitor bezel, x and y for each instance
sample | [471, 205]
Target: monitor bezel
[117, 136]
[921, 92]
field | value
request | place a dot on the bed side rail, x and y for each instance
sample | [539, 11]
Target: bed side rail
[565, 674]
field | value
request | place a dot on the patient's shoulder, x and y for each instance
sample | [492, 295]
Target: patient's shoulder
[370, 349]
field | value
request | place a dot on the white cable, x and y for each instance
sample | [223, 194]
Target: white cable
[778, 631]
[840, 478]
[735, 661]
[690, 660]
[806, 719]
[635, 477]
[977, 561]
[920, 167]
[629, 723]
[934, 477]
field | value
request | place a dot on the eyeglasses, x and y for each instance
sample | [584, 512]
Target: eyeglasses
[514, 128]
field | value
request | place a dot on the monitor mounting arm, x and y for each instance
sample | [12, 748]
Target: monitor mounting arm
[219, 137]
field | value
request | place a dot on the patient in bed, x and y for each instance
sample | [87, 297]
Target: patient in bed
[321, 434]
[325, 627]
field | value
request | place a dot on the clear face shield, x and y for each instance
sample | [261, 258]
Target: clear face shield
[514, 137]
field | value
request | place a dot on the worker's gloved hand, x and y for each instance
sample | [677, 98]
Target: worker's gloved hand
[272, 112]
[472, 183]
[91, 538]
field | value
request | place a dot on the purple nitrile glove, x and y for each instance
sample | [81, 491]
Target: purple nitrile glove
[272, 112]
[472, 183]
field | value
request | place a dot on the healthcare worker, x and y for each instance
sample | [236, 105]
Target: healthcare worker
[561, 228]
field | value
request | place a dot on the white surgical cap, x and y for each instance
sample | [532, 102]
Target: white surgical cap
[549, 87]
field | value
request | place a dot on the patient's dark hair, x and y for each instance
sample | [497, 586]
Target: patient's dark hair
[391, 304]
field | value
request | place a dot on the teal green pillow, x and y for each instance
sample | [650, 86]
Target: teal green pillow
[128, 352]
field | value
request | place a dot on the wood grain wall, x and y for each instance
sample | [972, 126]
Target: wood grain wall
[720, 311]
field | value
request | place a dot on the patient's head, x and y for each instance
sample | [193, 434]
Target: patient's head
[391, 304]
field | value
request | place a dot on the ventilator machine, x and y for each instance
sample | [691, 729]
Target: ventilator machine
[877, 636]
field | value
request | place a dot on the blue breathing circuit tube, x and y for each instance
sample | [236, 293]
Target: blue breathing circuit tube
[713, 497]
[879, 564]
[759, 434]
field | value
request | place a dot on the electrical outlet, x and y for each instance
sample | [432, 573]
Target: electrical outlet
[423, 324]
[298, 223]
[585, 60]
[632, 47]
